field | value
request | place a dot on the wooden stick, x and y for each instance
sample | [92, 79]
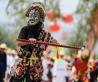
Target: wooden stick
[46, 43]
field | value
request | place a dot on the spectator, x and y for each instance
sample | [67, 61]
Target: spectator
[59, 70]
[93, 65]
[81, 66]
[10, 62]
[2, 62]
[45, 66]
[50, 66]
[69, 69]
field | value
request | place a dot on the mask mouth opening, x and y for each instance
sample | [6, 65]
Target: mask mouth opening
[32, 22]
[37, 25]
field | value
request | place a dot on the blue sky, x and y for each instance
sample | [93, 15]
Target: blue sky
[68, 6]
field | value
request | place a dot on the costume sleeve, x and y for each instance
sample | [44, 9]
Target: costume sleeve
[23, 33]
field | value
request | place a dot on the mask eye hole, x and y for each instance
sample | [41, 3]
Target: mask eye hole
[34, 13]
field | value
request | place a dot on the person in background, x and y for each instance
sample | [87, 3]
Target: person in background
[11, 60]
[93, 69]
[69, 69]
[59, 70]
[81, 66]
[3, 63]
[45, 66]
[50, 67]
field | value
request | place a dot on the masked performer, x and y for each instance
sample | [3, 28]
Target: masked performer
[32, 32]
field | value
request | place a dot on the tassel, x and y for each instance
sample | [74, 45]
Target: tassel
[58, 53]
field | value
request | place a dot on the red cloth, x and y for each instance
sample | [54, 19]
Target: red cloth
[81, 67]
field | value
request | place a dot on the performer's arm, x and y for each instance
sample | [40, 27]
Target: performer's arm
[22, 43]
[23, 36]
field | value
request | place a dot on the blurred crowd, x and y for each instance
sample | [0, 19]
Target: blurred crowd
[8, 58]
[79, 67]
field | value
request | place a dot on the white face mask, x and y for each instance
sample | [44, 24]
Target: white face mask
[34, 17]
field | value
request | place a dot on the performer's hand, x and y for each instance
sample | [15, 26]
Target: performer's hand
[32, 40]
